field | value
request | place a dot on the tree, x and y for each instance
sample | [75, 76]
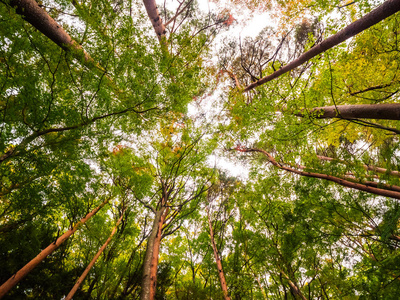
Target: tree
[18, 276]
[365, 111]
[388, 191]
[221, 274]
[34, 14]
[125, 100]
[84, 274]
[382, 12]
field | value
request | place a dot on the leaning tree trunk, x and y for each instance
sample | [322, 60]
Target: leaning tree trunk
[380, 13]
[338, 180]
[17, 277]
[387, 111]
[221, 275]
[149, 278]
[91, 264]
[295, 290]
[155, 18]
[366, 167]
[38, 18]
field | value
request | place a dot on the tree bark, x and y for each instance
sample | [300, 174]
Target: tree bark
[17, 277]
[38, 18]
[380, 13]
[338, 180]
[218, 261]
[296, 290]
[91, 264]
[366, 167]
[352, 178]
[155, 18]
[149, 278]
[387, 111]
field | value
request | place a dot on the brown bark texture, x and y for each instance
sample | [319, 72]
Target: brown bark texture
[218, 261]
[293, 286]
[17, 277]
[38, 18]
[91, 264]
[380, 13]
[296, 290]
[149, 278]
[338, 180]
[386, 111]
[155, 18]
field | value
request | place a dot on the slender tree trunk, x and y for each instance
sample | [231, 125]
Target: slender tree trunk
[293, 286]
[338, 180]
[91, 264]
[386, 111]
[221, 275]
[296, 290]
[366, 167]
[260, 286]
[17, 277]
[38, 18]
[149, 279]
[380, 13]
[256, 277]
[155, 18]
[374, 184]
[352, 178]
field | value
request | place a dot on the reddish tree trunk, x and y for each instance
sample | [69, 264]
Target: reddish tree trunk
[38, 17]
[338, 180]
[17, 277]
[386, 111]
[149, 279]
[366, 167]
[293, 286]
[218, 261]
[155, 18]
[91, 264]
[380, 13]
[352, 178]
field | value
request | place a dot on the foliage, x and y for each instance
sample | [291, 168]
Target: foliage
[134, 127]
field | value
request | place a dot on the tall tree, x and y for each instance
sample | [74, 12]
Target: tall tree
[385, 10]
[87, 270]
[370, 187]
[123, 98]
[18, 276]
[221, 274]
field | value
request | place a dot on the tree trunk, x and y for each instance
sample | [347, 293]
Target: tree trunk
[338, 180]
[149, 278]
[380, 13]
[387, 111]
[91, 264]
[366, 167]
[352, 178]
[155, 18]
[256, 278]
[293, 286]
[38, 18]
[218, 261]
[17, 277]
[296, 291]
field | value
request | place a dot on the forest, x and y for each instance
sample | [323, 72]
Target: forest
[149, 152]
